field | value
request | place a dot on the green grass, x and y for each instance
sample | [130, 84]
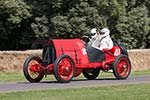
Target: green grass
[18, 77]
[136, 73]
[119, 92]
[11, 77]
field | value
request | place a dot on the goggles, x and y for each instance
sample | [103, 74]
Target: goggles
[102, 33]
[92, 34]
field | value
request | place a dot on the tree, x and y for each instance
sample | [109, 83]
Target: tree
[21, 21]
[134, 27]
[14, 16]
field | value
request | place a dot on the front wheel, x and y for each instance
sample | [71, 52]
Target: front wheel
[64, 69]
[121, 67]
[91, 73]
[32, 62]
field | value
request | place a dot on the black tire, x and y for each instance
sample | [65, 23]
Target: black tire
[27, 72]
[64, 69]
[91, 73]
[122, 67]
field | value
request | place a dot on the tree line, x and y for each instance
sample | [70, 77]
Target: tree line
[23, 21]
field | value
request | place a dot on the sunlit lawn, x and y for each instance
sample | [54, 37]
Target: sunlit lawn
[119, 92]
[18, 77]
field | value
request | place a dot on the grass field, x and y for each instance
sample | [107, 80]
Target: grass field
[119, 92]
[116, 92]
[17, 77]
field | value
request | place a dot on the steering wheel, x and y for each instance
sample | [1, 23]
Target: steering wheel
[85, 38]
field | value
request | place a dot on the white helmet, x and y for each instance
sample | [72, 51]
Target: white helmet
[104, 32]
[93, 33]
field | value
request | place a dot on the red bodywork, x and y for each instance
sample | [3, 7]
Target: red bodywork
[72, 47]
[68, 58]
[76, 50]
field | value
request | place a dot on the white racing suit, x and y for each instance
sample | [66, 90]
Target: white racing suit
[101, 43]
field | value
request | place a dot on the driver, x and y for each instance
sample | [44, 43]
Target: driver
[100, 39]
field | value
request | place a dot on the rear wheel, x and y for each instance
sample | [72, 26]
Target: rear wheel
[91, 73]
[64, 69]
[32, 62]
[122, 67]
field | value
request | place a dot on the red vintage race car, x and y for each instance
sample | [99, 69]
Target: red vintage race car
[68, 58]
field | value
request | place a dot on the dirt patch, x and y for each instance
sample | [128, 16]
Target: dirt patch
[12, 61]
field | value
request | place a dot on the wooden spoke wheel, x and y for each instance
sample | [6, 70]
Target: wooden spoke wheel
[31, 69]
[121, 67]
[64, 69]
